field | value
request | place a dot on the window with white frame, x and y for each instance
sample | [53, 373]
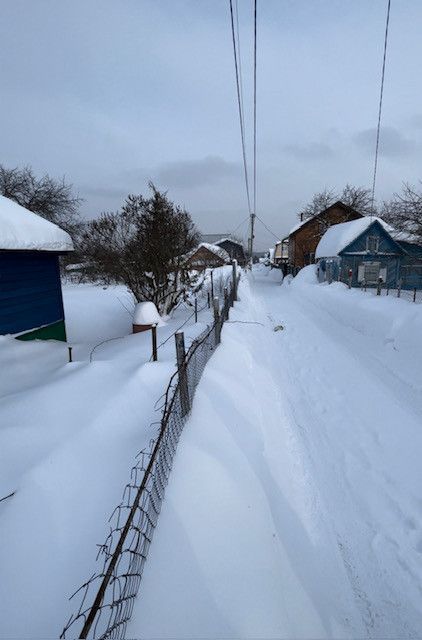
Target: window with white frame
[372, 244]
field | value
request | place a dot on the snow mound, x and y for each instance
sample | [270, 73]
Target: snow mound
[275, 275]
[23, 230]
[146, 313]
[307, 275]
[339, 236]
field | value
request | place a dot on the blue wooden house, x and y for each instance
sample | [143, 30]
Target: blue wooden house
[31, 303]
[366, 251]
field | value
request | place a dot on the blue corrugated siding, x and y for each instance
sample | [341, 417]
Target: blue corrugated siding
[30, 291]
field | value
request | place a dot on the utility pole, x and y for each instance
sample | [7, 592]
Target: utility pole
[251, 238]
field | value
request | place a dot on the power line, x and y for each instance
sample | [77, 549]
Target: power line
[239, 102]
[254, 112]
[268, 229]
[380, 107]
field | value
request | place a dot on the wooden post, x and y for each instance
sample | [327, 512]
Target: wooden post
[379, 287]
[196, 309]
[226, 303]
[212, 284]
[216, 307]
[234, 276]
[208, 300]
[414, 294]
[154, 342]
[399, 288]
[70, 354]
[181, 367]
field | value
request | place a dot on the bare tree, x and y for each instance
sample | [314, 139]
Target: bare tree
[50, 198]
[404, 211]
[143, 246]
[358, 198]
[320, 201]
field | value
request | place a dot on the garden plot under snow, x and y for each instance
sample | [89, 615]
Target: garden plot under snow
[69, 433]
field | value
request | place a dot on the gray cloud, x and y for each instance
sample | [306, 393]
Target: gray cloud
[392, 142]
[196, 173]
[416, 121]
[311, 151]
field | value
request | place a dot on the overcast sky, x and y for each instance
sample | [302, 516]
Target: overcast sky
[111, 93]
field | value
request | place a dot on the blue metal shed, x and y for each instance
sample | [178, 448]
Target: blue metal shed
[31, 303]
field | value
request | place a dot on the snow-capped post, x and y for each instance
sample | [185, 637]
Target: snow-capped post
[181, 368]
[216, 307]
[154, 342]
[234, 273]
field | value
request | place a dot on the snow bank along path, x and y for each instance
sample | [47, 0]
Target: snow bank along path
[293, 506]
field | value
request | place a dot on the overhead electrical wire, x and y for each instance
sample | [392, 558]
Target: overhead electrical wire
[268, 229]
[380, 107]
[239, 103]
[254, 111]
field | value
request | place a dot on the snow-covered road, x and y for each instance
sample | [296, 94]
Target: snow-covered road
[294, 506]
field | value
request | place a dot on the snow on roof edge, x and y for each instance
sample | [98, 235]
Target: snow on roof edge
[339, 236]
[23, 230]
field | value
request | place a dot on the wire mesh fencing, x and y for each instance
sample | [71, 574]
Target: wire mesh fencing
[104, 603]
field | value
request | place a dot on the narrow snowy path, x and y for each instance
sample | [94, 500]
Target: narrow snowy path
[293, 506]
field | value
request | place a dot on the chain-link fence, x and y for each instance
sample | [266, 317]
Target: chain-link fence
[105, 601]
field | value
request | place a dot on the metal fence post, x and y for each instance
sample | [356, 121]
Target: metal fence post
[216, 307]
[70, 354]
[212, 284]
[181, 367]
[234, 276]
[154, 342]
[399, 288]
[208, 300]
[196, 309]
[414, 294]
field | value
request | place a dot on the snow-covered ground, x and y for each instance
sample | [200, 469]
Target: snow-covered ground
[294, 507]
[69, 433]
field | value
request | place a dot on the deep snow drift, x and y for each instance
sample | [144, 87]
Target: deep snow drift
[293, 508]
[69, 434]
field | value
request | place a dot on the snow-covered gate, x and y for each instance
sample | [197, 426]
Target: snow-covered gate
[106, 600]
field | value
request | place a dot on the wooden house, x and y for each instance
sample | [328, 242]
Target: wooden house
[31, 304]
[364, 251]
[304, 237]
[206, 256]
[234, 249]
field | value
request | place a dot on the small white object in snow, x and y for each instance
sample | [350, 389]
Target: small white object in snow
[146, 313]
[23, 230]
[338, 236]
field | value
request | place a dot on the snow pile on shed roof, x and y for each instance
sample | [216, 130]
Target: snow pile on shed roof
[229, 240]
[338, 236]
[22, 230]
[218, 251]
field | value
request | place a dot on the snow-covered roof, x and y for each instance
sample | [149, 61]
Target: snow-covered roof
[218, 251]
[22, 230]
[229, 240]
[339, 236]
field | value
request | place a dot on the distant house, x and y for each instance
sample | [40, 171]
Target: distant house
[365, 251]
[31, 304]
[234, 249]
[304, 237]
[206, 256]
[280, 253]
